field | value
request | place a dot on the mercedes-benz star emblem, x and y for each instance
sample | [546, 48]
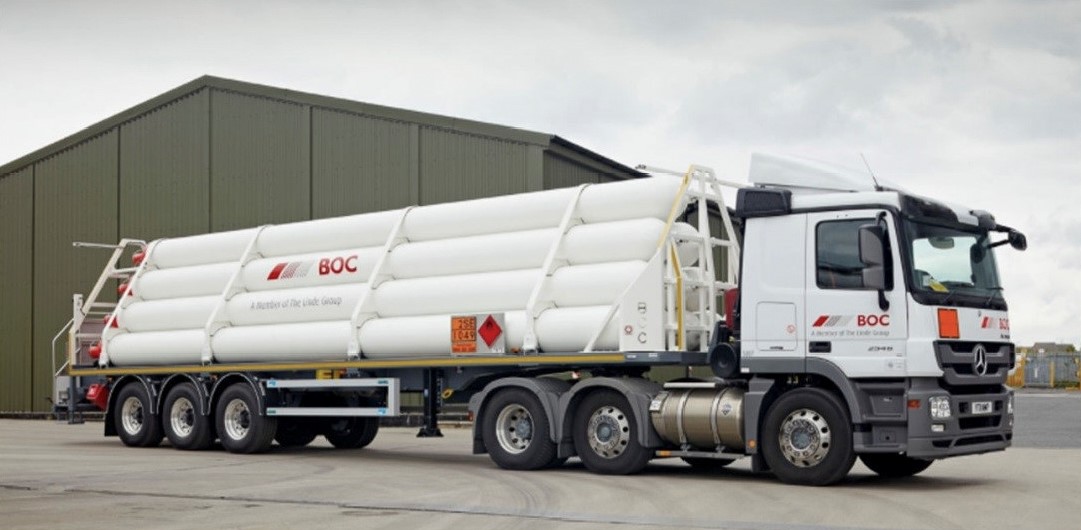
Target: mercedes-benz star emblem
[979, 360]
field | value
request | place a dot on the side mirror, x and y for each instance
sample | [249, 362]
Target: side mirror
[1017, 240]
[873, 255]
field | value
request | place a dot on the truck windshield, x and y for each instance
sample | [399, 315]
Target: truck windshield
[952, 266]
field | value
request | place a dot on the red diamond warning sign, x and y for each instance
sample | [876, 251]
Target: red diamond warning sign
[490, 331]
[473, 334]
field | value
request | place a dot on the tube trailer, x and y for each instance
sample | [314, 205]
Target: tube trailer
[827, 317]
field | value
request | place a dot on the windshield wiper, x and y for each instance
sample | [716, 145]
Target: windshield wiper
[994, 291]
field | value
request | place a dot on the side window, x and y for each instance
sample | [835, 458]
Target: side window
[837, 252]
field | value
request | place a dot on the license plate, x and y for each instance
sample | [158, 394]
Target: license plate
[982, 407]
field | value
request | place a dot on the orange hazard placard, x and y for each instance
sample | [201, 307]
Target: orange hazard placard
[463, 334]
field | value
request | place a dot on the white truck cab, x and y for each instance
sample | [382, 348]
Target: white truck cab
[889, 298]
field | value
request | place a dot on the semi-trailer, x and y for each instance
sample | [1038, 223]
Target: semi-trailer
[852, 320]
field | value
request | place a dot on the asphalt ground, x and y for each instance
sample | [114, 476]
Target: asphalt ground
[54, 476]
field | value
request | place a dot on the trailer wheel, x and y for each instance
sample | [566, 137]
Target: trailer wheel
[294, 432]
[807, 438]
[515, 430]
[240, 426]
[894, 465]
[181, 421]
[352, 433]
[605, 435]
[708, 465]
[135, 425]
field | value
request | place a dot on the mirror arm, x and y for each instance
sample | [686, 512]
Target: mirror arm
[883, 302]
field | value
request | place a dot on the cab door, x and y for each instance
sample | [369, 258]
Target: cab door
[845, 323]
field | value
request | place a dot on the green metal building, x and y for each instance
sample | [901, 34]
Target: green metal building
[217, 154]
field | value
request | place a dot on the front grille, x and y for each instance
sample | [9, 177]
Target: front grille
[957, 361]
[979, 422]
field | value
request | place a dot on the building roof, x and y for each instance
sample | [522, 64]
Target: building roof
[304, 98]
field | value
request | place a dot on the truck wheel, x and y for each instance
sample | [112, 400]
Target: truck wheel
[708, 465]
[515, 431]
[240, 426]
[605, 435]
[294, 432]
[181, 421]
[894, 465]
[352, 433]
[135, 425]
[807, 438]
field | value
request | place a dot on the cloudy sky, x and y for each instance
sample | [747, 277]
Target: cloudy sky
[977, 102]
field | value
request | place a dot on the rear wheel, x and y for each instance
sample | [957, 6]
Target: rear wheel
[515, 429]
[185, 427]
[807, 438]
[294, 432]
[352, 433]
[606, 435]
[894, 465]
[135, 425]
[241, 427]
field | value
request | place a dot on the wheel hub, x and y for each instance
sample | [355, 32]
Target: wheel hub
[514, 428]
[609, 432]
[182, 417]
[805, 438]
[237, 419]
[131, 414]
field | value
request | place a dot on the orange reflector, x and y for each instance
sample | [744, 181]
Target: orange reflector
[913, 403]
[948, 328]
[664, 454]
[752, 443]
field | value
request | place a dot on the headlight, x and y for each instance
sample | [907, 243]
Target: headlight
[1009, 404]
[940, 407]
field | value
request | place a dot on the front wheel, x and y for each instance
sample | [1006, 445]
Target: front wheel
[515, 429]
[241, 427]
[606, 435]
[807, 438]
[894, 465]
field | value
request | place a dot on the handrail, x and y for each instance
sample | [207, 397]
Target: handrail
[56, 337]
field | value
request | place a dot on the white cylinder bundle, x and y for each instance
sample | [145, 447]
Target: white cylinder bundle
[297, 289]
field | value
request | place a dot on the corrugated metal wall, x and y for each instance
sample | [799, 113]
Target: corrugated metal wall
[362, 164]
[75, 199]
[216, 159]
[260, 170]
[16, 287]
[165, 171]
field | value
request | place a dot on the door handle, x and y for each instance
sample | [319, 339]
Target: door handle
[820, 347]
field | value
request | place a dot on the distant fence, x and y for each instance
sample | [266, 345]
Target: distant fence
[1047, 371]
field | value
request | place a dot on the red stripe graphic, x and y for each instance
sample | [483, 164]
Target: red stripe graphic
[276, 271]
[821, 321]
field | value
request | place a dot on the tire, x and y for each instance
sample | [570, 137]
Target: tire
[181, 421]
[515, 430]
[352, 433]
[241, 427]
[893, 465]
[807, 438]
[605, 435]
[294, 432]
[708, 465]
[134, 423]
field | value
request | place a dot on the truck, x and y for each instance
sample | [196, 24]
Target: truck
[827, 317]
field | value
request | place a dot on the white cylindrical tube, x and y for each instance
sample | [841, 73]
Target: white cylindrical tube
[568, 329]
[594, 284]
[305, 304]
[308, 341]
[508, 213]
[198, 280]
[156, 347]
[201, 249]
[321, 235]
[309, 270]
[473, 254]
[629, 199]
[463, 294]
[163, 315]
